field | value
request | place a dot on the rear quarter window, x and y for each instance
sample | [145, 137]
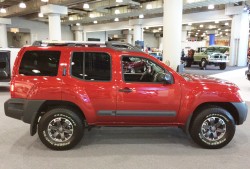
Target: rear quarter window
[40, 63]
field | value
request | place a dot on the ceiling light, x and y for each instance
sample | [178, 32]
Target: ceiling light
[198, 30]
[210, 6]
[146, 27]
[3, 10]
[45, 0]
[160, 29]
[22, 5]
[116, 19]
[78, 24]
[226, 23]
[117, 11]
[95, 22]
[71, 18]
[141, 16]
[40, 15]
[85, 6]
[190, 24]
[119, 1]
[227, 30]
[149, 6]
[217, 22]
[219, 29]
[201, 26]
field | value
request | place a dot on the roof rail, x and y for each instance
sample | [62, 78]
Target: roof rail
[111, 44]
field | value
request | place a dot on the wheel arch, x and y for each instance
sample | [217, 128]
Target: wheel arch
[49, 104]
[226, 105]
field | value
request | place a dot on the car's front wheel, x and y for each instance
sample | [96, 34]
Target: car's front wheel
[203, 64]
[60, 129]
[213, 128]
[223, 66]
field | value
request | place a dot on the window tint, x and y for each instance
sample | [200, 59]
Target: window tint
[40, 63]
[91, 66]
[137, 69]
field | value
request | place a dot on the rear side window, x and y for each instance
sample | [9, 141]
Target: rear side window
[40, 63]
[94, 66]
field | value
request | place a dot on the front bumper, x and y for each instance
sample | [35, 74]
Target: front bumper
[242, 111]
[217, 61]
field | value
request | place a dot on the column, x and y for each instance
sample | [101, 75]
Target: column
[138, 33]
[3, 32]
[54, 13]
[85, 36]
[211, 39]
[129, 38]
[239, 40]
[78, 35]
[172, 31]
[78, 32]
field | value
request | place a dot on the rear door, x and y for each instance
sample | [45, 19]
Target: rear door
[91, 85]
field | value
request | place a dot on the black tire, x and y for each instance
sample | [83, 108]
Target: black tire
[53, 125]
[223, 66]
[203, 64]
[248, 76]
[210, 123]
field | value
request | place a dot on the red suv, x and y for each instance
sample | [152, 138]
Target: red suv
[62, 89]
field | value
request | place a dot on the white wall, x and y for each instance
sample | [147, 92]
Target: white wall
[150, 40]
[39, 30]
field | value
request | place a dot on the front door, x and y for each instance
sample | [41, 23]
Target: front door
[142, 98]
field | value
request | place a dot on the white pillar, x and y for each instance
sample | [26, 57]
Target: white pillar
[78, 35]
[138, 33]
[239, 40]
[3, 32]
[3, 35]
[54, 13]
[172, 31]
[85, 36]
[129, 38]
[55, 27]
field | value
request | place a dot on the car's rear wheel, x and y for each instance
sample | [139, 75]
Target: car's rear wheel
[223, 66]
[213, 128]
[60, 128]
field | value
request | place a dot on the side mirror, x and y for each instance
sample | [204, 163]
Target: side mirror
[167, 78]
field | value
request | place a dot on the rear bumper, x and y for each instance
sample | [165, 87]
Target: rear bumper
[242, 111]
[22, 109]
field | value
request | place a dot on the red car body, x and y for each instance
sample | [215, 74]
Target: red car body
[180, 99]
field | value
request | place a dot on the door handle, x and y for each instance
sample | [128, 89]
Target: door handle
[126, 90]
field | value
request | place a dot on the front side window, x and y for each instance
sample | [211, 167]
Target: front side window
[92, 66]
[40, 63]
[138, 69]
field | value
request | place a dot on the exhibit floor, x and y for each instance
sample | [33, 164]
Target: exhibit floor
[126, 147]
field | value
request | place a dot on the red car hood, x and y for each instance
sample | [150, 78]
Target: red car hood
[207, 79]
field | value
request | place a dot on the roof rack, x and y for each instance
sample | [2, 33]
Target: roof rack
[114, 45]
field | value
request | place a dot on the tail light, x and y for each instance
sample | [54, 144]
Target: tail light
[12, 89]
